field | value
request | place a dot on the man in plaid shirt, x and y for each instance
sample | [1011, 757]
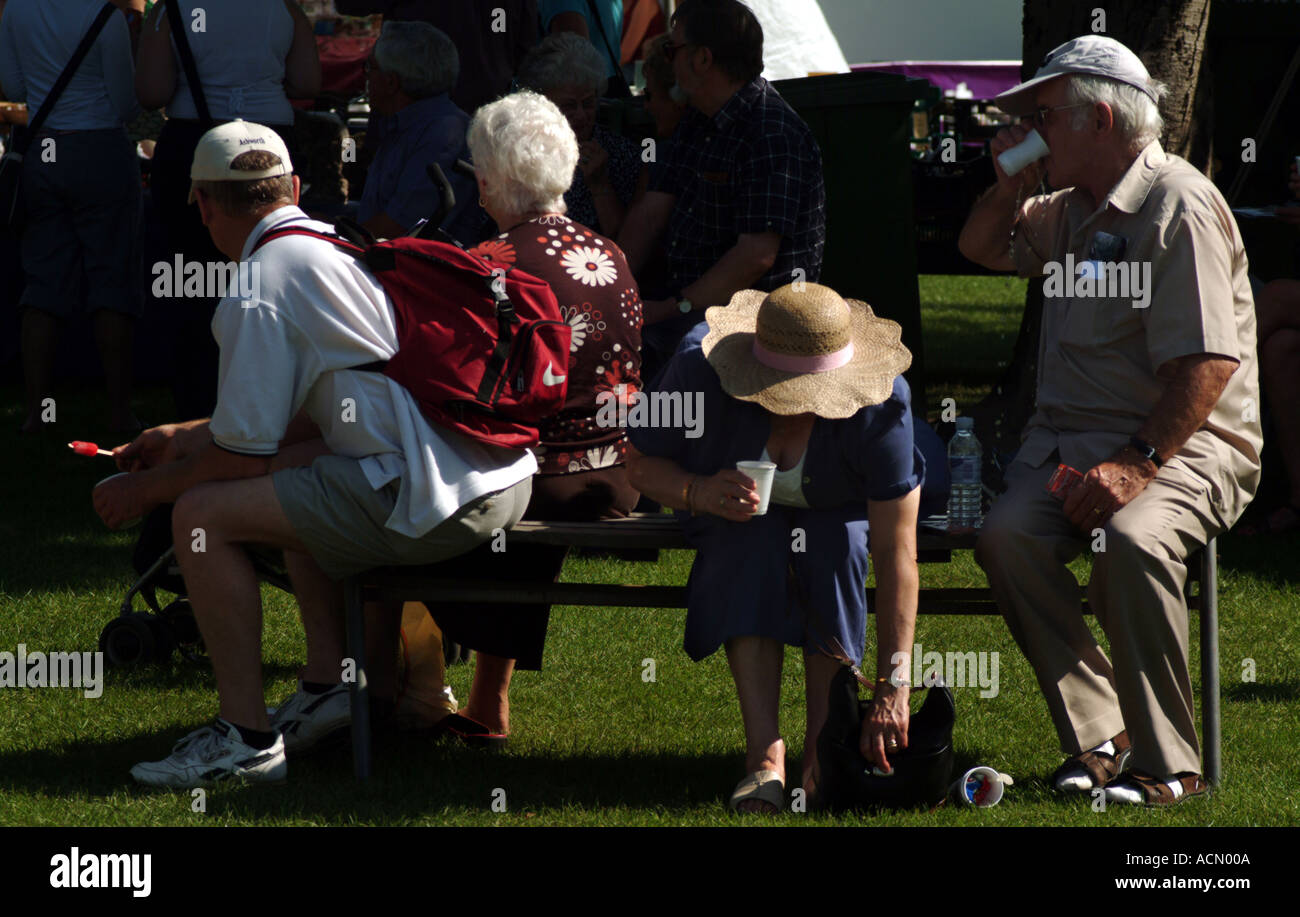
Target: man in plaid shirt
[741, 194]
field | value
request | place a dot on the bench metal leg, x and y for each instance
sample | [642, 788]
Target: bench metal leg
[359, 690]
[1209, 614]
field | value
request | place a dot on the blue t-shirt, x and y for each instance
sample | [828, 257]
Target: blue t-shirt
[869, 456]
[398, 183]
[611, 23]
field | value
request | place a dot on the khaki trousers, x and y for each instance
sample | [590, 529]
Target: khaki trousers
[1136, 591]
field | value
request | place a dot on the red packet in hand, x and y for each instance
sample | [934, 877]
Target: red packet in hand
[1063, 481]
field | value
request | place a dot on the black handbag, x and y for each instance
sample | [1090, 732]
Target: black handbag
[20, 140]
[921, 773]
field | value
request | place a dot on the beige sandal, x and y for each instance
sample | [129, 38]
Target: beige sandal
[763, 786]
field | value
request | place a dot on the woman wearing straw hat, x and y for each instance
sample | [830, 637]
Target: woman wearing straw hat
[809, 381]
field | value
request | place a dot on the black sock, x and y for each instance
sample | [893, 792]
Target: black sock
[256, 739]
[316, 687]
[382, 708]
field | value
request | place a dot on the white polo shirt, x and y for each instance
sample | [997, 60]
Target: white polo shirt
[315, 312]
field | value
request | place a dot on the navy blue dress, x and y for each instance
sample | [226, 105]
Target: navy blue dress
[795, 575]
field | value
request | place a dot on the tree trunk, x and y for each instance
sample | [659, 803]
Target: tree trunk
[1169, 37]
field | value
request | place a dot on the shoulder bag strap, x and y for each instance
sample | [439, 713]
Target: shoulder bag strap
[87, 41]
[620, 82]
[181, 37]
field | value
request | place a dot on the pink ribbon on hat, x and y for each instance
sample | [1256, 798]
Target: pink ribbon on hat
[792, 364]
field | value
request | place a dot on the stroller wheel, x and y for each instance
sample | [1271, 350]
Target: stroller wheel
[135, 639]
[179, 617]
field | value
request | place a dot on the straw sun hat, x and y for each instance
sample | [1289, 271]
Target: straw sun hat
[804, 351]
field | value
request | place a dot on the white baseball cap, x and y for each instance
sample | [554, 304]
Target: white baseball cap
[1097, 55]
[218, 148]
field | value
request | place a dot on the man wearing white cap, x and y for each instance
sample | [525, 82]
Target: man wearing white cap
[336, 466]
[1147, 384]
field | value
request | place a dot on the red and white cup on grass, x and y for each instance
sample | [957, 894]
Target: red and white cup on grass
[981, 787]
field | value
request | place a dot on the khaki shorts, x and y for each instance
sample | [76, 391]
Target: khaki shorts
[340, 518]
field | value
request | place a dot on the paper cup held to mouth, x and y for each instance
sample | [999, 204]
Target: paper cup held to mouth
[1031, 149]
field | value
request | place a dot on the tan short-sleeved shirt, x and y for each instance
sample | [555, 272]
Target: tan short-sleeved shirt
[1099, 354]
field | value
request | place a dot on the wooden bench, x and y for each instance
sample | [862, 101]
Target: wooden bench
[661, 532]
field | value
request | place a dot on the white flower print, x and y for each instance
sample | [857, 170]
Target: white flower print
[603, 456]
[590, 265]
[579, 322]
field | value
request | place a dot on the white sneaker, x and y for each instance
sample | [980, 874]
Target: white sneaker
[212, 754]
[307, 719]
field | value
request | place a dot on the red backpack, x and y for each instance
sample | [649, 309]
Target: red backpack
[481, 348]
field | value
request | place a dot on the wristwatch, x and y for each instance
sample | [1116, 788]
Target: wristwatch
[684, 305]
[1146, 450]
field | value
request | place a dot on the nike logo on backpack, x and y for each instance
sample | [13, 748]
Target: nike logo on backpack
[549, 378]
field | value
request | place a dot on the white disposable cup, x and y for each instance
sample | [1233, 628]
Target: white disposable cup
[130, 522]
[762, 473]
[1032, 148]
[981, 787]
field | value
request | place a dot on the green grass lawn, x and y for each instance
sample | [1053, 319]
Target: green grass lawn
[593, 743]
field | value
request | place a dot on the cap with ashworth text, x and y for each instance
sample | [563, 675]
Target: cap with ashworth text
[1097, 55]
[219, 147]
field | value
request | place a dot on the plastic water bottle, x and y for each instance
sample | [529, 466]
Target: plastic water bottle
[965, 458]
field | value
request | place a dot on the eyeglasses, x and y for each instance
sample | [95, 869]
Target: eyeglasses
[670, 49]
[1039, 117]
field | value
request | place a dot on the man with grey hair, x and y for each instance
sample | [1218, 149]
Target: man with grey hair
[1147, 384]
[410, 73]
[305, 452]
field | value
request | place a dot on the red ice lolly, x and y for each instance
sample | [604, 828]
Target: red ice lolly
[82, 448]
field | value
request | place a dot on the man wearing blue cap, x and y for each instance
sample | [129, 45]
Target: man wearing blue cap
[1147, 384]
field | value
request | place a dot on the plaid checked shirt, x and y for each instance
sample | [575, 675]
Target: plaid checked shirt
[753, 167]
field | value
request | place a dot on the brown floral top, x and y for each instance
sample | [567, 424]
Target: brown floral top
[599, 299]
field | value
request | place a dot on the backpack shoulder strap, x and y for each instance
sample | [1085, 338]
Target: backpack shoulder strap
[87, 41]
[279, 232]
[180, 36]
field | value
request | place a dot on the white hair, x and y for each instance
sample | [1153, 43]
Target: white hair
[1137, 117]
[524, 147]
[563, 59]
[423, 57]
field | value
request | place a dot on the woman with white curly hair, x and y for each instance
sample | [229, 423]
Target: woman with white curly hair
[570, 72]
[524, 152]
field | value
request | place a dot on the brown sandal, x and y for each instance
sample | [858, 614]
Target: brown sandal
[1156, 792]
[1100, 767]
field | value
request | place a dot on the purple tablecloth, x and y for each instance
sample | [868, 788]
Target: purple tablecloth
[984, 79]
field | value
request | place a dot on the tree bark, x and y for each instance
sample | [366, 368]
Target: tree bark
[1169, 37]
